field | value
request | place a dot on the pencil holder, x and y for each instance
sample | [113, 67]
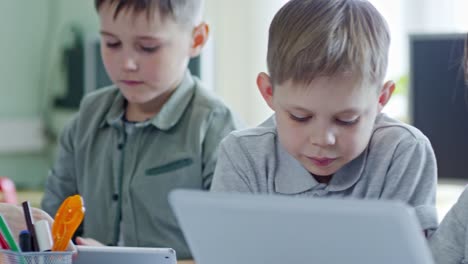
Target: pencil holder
[59, 257]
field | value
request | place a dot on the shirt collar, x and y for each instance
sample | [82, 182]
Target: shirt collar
[170, 113]
[116, 111]
[292, 178]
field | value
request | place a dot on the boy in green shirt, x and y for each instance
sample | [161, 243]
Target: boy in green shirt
[154, 130]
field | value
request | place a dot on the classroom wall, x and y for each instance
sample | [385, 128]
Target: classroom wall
[20, 56]
[33, 33]
[28, 30]
[240, 36]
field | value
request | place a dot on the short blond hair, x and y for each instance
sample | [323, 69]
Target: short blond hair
[312, 38]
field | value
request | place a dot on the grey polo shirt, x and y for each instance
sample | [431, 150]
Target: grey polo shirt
[398, 164]
[449, 244]
[124, 178]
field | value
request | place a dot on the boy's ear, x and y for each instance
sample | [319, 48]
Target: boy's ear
[385, 94]
[266, 88]
[199, 38]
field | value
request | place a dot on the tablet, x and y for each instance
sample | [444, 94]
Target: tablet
[233, 228]
[124, 255]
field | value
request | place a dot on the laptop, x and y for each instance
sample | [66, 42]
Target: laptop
[124, 255]
[233, 228]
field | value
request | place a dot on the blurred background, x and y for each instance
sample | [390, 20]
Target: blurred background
[50, 57]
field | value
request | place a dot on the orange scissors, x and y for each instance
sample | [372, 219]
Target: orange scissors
[67, 219]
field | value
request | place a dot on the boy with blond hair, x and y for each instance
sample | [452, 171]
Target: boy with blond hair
[154, 130]
[328, 138]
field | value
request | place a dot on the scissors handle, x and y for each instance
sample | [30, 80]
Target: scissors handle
[67, 219]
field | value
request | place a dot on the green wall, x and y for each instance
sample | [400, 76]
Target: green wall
[22, 29]
[33, 35]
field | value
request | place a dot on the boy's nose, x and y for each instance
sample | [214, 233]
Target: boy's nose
[130, 64]
[323, 138]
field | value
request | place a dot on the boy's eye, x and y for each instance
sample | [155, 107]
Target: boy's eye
[113, 45]
[149, 49]
[347, 122]
[299, 118]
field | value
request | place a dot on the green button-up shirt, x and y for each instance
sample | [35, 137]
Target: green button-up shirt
[124, 178]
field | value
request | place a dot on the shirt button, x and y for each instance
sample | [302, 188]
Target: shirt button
[120, 146]
[115, 197]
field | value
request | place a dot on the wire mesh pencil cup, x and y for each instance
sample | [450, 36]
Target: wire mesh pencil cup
[56, 257]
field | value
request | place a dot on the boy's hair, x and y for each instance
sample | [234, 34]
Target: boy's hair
[187, 12]
[312, 38]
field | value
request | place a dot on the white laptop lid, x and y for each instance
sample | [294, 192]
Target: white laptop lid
[244, 228]
[124, 255]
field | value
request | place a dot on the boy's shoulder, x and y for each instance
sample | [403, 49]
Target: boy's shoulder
[101, 98]
[266, 129]
[261, 137]
[463, 199]
[393, 130]
[96, 105]
[461, 207]
[205, 98]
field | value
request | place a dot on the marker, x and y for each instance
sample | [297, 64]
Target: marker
[25, 241]
[44, 236]
[30, 225]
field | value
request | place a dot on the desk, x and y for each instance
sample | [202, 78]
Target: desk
[185, 262]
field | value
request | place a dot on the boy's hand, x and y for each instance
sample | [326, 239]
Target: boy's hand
[88, 242]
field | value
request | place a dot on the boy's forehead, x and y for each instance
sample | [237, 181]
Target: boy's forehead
[340, 95]
[345, 80]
